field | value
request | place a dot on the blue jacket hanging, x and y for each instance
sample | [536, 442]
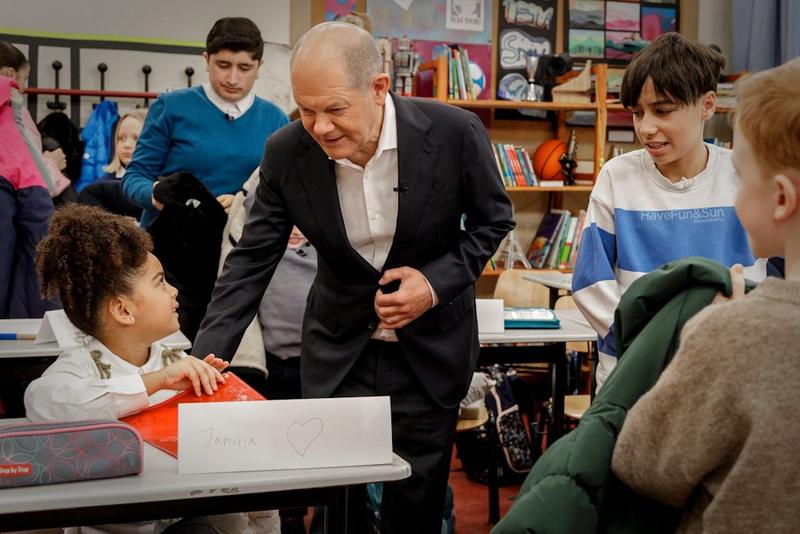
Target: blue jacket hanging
[98, 134]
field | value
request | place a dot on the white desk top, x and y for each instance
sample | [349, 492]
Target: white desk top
[26, 348]
[573, 328]
[554, 280]
[160, 481]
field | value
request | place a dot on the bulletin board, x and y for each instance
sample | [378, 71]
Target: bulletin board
[613, 31]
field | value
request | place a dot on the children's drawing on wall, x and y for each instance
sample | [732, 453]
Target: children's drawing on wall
[525, 28]
[622, 45]
[465, 15]
[528, 14]
[657, 21]
[586, 43]
[616, 30]
[514, 46]
[588, 14]
[454, 21]
[622, 16]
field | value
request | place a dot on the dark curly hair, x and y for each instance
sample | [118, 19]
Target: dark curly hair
[88, 256]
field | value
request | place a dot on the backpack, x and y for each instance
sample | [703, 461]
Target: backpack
[517, 447]
[504, 414]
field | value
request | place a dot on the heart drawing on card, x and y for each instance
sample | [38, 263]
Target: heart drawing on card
[302, 435]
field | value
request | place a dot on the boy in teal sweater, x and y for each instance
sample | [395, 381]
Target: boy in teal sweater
[216, 131]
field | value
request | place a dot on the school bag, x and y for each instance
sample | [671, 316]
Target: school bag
[504, 414]
[517, 444]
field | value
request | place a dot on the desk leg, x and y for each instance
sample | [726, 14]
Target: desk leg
[336, 510]
[494, 486]
[559, 359]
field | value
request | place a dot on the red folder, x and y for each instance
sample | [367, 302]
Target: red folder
[158, 424]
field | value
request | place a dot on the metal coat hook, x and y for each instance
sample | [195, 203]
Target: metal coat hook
[57, 104]
[102, 67]
[189, 71]
[146, 70]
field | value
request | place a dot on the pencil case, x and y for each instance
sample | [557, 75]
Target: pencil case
[33, 454]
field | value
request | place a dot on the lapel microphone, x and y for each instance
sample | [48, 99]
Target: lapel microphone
[229, 117]
[401, 188]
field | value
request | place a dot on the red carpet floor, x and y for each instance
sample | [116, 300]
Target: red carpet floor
[472, 501]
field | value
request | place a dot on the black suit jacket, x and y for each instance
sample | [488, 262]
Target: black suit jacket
[446, 169]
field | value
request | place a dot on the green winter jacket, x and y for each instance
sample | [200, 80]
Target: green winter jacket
[571, 489]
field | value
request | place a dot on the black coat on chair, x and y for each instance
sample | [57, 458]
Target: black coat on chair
[187, 236]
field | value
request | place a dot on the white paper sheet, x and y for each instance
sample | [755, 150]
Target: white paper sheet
[284, 434]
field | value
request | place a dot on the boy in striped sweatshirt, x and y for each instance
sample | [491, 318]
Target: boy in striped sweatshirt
[672, 199]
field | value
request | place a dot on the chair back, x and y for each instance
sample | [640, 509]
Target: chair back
[516, 291]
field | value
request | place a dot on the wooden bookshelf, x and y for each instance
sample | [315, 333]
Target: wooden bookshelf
[600, 71]
[547, 189]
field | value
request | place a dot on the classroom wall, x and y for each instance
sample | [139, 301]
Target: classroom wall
[181, 20]
[714, 25]
[167, 36]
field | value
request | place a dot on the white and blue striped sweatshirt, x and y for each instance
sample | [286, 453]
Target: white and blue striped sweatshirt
[638, 220]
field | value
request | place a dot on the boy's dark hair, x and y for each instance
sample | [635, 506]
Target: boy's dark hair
[88, 256]
[681, 70]
[11, 56]
[237, 34]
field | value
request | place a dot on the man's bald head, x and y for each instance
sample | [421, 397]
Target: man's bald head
[346, 43]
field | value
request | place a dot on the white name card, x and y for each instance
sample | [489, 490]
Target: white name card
[490, 316]
[56, 327]
[218, 437]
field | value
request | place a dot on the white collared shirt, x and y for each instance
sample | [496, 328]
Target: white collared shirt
[230, 109]
[367, 196]
[369, 201]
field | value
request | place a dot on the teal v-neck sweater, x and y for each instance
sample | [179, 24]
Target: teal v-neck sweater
[184, 131]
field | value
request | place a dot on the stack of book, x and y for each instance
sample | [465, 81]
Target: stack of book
[557, 240]
[514, 165]
[459, 81]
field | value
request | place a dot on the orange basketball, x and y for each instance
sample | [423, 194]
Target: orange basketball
[545, 159]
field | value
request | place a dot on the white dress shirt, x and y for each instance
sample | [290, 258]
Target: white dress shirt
[232, 110]
[369, 200]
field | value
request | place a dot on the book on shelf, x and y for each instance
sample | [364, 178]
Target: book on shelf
[459, 79]
[514, 165]
[555, 251]
[573, 254]
[543, 240]
[557, 240]
[569, 238]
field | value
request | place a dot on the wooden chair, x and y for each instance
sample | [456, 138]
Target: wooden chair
[516, 291]
[575, 405]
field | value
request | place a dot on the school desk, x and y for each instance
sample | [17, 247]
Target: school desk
[537, 346]
[160, 492]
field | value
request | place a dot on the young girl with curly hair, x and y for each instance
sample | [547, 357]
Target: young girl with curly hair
[113, 289]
